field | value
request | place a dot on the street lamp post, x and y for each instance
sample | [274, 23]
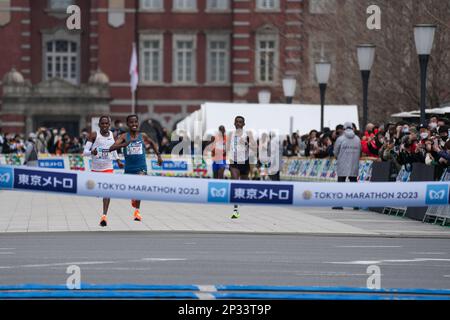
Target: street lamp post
[366, 55]
[289, 85]
[322, 74]
[423, 37]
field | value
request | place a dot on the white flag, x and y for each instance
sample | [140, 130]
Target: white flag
[134, 76]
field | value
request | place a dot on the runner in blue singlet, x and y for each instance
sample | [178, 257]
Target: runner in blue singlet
[134, 144]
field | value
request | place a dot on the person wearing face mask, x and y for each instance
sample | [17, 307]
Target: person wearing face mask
[347, 150]
[31, 155]
[42, 140]
[375, 144]
[443, 135]
[405, 130]
[433, 123]
[52, 141]
[84, 137]
[424, 133]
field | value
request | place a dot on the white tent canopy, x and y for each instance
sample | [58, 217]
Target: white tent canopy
[416, 113]
[281, 118]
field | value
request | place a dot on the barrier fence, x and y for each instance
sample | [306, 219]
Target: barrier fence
[439, 214]
[172, 166]
[310, 194]
[320, 170]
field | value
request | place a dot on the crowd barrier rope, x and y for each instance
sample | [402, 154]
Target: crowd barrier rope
[293, 193]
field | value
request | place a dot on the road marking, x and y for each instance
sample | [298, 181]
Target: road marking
[331, 274]
[205, 296]
[88, 263]
[7, 248]
[163, 259]
[368, 246]
[370, 262]
[207, 288]
[7, 253]
[428, 253]
[446, 275]
[57, 264]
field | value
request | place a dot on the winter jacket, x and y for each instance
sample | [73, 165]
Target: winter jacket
[347, 150]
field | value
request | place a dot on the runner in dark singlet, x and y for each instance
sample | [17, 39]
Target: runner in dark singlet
[134, 144]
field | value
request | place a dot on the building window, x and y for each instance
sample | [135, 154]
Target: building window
[152, 4]
[184, 59]
[266, 58]
[322, 6]
[151, 59]
[185, 4]
[268, 4]
[218, 59]
[59, 4]
[218, 4]
[61, 58]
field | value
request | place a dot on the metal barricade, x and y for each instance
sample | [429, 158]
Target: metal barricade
[439, 214]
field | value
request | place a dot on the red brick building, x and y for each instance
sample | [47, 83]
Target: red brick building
[190, 51]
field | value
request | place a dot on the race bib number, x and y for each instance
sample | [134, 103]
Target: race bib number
[135, 149]
[103, 153]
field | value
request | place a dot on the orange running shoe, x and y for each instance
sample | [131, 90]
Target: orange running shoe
[137, 215]
[134, 203]
[103, 222]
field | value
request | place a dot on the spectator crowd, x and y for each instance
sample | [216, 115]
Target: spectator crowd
[402, 143]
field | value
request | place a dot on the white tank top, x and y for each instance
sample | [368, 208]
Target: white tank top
[104, 159]
[239, 148]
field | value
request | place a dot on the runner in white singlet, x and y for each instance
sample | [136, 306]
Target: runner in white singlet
[242, 148]
[97, 147]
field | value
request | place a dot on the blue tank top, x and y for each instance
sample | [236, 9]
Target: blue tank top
[135, 155]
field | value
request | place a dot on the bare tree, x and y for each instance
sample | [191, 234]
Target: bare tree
[394, 82]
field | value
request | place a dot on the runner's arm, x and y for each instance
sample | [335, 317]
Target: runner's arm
[153, 145]
[119, 143]
[87, 148]
[115, 156]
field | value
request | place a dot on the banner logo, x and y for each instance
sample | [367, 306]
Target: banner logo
[6, 178]
[261, 193]
[170, 165]
[51, 163]
[437, 194]
[307, 195]
[218, 192]
[90, 184]
[45, 181]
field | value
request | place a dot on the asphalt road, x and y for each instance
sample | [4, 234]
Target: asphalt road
[211, 259]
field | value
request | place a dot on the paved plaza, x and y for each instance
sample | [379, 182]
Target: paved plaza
[44, 212]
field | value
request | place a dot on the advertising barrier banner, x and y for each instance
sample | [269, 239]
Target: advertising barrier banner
[308, 194]
[171, 167]
[320, 170]
[292, 168]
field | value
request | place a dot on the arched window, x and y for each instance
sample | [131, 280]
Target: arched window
[61, 60]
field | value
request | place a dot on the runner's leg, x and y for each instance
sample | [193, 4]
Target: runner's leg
[220, 172]
[235, 175]
[106, 202]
